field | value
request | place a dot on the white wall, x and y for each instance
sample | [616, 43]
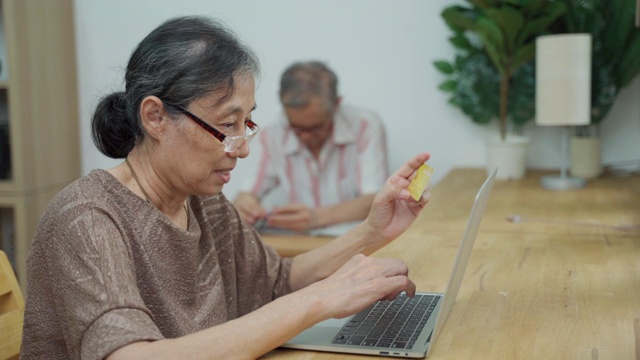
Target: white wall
[382, 51]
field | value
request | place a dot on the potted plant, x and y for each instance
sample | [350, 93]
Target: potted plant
[493, 74]
[615, 64]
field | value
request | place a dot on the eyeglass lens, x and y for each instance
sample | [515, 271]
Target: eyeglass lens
[233, 143]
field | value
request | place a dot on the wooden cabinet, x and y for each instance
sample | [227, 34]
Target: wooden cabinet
[40, 153]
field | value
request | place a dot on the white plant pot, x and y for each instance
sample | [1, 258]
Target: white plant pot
[509, 156]
[586, 159]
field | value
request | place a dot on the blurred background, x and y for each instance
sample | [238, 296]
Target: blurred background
[383, 52]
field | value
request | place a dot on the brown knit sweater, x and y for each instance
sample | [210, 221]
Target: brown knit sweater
[107, 268]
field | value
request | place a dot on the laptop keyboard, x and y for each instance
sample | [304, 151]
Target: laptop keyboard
[389, 324]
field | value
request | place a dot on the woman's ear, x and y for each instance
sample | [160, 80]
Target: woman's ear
[153, 116]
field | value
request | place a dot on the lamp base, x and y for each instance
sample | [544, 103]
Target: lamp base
[562, 182]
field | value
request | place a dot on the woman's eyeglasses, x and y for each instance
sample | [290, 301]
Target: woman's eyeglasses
[231, 143]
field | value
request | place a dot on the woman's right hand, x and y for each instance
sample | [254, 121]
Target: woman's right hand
[360, 282]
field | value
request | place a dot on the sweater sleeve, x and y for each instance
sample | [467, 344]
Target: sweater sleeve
[97, 304]
[261, 274]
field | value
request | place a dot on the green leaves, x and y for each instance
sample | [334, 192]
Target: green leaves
[521, 104]
[448, 86]
[538, 25]
[508, 21]
[459, 19]
[444, 67]
[630, 60]
[523, 55]
[494, 43]
[615, 47]
[460, 42]
[604, 91]
[507, 30]
[473, 86]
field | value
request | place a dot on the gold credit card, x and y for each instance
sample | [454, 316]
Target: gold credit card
[420, 181]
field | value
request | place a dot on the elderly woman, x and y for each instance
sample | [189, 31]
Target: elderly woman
[150, 260]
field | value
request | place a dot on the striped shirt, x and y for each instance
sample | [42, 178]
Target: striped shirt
[352, 163]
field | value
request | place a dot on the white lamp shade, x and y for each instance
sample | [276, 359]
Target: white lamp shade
[563, 79]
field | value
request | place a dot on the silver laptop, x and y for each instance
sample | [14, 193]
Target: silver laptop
[404, 327]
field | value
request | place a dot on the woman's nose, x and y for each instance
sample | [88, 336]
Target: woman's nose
[242, 151]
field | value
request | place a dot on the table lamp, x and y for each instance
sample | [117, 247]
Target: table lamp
[563, 94]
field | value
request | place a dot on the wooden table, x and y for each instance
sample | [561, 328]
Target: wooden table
[564, 283]
[292, 245]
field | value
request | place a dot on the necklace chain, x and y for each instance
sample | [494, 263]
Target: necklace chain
[146, 196]
[135, 177]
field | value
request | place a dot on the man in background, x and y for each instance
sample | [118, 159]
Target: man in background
[328, 158]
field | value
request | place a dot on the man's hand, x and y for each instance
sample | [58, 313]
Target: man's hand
[249, 207]
[296, 217]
